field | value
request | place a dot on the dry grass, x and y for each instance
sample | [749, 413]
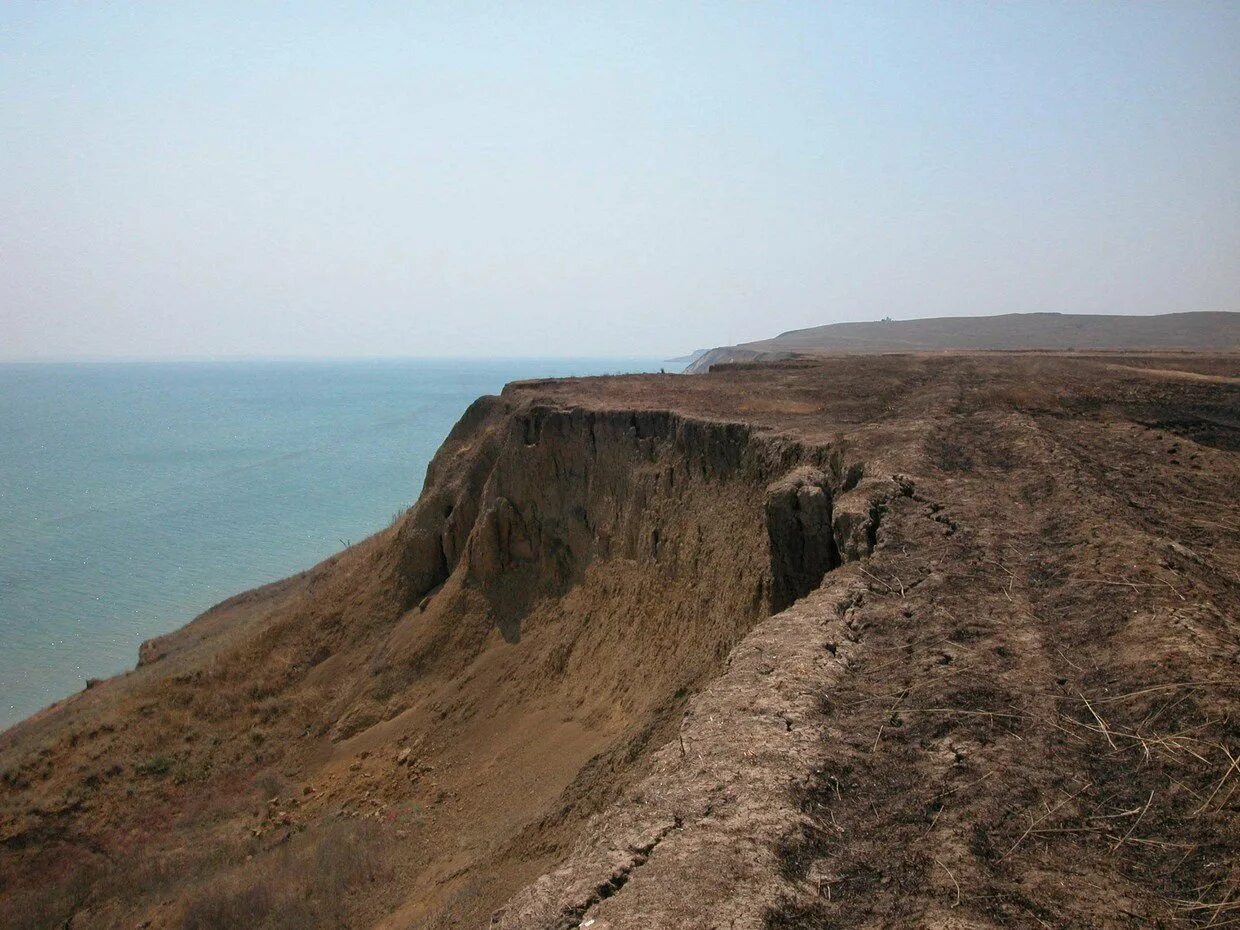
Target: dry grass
[315, 882]
[318, 879]
[271, 784]
[50, 905]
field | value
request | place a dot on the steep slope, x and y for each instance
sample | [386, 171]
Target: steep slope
[465, 677]
[1204, 331]
[942, 641]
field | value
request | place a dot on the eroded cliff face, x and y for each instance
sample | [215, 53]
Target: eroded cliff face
[528, 499]
[598, 540]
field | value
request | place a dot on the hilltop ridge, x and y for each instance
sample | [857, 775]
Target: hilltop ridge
[1198, 331]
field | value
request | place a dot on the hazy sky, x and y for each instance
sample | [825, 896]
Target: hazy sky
[598, 179]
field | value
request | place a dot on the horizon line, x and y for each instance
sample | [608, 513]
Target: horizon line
[188, 359]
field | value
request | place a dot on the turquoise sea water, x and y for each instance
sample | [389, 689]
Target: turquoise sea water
[133, 496]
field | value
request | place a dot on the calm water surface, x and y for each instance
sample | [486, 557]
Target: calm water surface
[134, 496]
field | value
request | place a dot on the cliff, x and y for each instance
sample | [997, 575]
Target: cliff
[894, 639]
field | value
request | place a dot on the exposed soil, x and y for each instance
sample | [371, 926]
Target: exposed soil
[941, 641]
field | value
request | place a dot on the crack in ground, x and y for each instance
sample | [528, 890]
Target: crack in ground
[571, 918]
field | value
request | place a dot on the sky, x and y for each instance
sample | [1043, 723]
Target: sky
[588, 179]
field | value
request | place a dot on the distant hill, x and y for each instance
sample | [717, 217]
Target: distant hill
[687, 359]
[1217, 330]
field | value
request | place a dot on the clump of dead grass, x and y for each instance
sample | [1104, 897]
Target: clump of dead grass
[316, 881]
[322, 878]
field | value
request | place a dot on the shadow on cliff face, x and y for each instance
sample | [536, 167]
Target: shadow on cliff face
[566, 490]
[799, 525]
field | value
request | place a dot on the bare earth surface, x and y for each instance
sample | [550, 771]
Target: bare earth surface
[869, 641]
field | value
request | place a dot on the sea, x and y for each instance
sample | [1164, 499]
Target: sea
[133, 496]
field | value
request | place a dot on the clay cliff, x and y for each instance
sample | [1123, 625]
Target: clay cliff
[914, 640]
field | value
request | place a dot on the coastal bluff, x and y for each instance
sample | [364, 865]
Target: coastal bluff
[916, 639]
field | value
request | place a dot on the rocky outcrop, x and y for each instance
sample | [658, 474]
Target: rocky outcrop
[798, 522]
[621, 555]
[857, 514]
